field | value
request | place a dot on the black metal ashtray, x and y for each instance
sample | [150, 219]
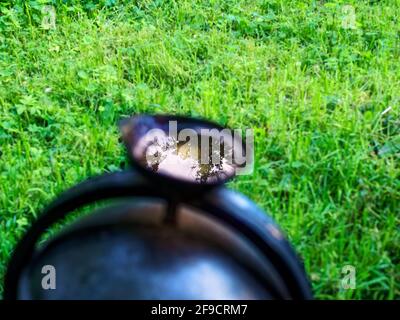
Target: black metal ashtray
[183, 151]
[168, 228]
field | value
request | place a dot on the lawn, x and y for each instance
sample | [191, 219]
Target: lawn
[318, 81]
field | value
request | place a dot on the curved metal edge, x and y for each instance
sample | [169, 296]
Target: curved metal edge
[228, 206]
[246, 217]
[108, 186]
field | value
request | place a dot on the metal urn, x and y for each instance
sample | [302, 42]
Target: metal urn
[167, 228]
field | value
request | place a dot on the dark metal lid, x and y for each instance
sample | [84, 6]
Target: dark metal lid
[129, 252]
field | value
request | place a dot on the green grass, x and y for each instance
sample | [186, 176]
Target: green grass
[327, 155]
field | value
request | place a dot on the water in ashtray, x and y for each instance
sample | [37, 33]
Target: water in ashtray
[182, 160]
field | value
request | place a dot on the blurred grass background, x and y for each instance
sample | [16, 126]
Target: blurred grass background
[322, 95]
